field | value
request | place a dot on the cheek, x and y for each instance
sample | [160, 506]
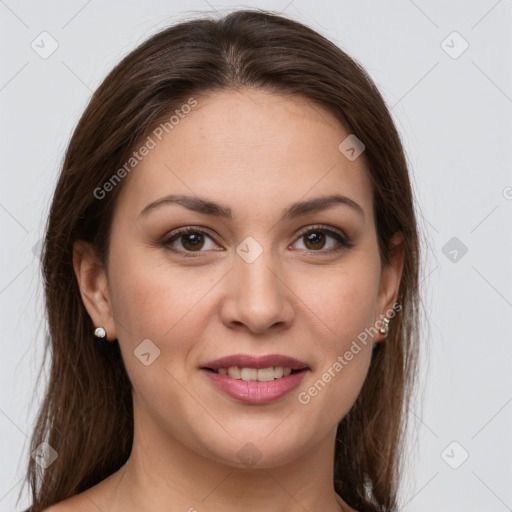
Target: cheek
[156, 301]
[343, 300]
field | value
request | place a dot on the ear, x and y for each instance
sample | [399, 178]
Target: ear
[92, 281]
[391, 274]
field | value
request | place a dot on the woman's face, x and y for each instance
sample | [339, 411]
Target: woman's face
[273, 275]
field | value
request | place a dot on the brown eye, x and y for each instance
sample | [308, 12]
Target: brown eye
[192, 241]
[323, 241]
[188, 241]
[315, 240]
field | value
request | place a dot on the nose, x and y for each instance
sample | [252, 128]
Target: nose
[257, 296]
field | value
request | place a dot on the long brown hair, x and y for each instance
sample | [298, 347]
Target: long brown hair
[86, 415]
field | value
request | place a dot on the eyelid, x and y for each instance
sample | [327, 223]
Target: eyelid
[176, 233]
[342, 239]
[344, 242]
[323, 227]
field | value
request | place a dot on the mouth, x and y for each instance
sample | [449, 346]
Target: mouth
[255, 379]
[256, 374]
[248, 367]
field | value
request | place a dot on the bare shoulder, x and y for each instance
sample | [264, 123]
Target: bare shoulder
[78, 503]
[91, 500]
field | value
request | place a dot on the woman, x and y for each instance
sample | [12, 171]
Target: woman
[231, 271]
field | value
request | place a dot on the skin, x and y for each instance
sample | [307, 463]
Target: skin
[256, 152]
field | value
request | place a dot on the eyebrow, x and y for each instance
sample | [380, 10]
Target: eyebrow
[206, 207]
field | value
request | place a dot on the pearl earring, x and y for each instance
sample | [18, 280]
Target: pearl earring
[100, 333]
[385, 326]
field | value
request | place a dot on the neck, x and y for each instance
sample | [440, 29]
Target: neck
[162, 472]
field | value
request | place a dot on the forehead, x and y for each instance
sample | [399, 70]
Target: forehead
[251, 149]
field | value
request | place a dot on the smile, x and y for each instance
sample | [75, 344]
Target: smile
[254, 374]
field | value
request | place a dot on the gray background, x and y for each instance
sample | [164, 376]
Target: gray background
[454, 113]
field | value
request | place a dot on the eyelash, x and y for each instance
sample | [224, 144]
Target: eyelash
[344, 242]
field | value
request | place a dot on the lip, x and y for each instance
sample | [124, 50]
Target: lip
[255, 392]
[249, 361]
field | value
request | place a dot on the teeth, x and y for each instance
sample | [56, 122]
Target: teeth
[265, 374]
[249, 374]
[234, 372]
[252, 374]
